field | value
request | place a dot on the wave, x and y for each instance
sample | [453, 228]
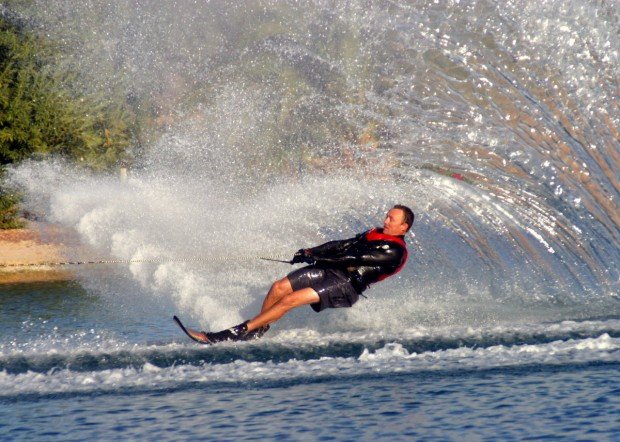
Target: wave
[307, 357]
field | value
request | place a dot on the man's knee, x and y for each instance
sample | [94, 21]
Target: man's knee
[282, 286]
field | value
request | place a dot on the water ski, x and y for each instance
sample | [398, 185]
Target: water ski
[195, 335]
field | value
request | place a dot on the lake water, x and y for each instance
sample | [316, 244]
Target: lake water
[74, 367]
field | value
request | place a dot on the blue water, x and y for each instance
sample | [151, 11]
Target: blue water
[74, 367]
[574, 402]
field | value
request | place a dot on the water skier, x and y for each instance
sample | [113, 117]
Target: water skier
[338, 272]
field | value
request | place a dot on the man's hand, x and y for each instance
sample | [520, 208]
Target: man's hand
[302, 255]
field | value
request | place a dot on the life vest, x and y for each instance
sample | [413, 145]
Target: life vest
[375, 235]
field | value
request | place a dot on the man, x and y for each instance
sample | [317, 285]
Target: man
[338, 272]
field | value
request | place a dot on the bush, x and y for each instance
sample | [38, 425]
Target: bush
[9, 210]
[40, 113]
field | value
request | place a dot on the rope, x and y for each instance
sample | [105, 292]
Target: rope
[277, 258]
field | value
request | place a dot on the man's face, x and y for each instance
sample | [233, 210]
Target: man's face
[394, 223]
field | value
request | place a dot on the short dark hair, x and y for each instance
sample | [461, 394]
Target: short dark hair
[409, 216]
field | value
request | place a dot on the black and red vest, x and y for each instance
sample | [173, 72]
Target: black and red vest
[375, 235]
[370, 257]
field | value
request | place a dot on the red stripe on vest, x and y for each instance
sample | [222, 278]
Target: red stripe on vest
[375, 235]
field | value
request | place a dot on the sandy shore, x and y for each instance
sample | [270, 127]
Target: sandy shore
[25, 252]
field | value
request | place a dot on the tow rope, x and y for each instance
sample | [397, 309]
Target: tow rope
[276, 258]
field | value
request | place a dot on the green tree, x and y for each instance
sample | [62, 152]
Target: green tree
[40, 114]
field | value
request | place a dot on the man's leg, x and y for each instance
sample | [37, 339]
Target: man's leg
[278, 290]
[280, 307]
[279, 300]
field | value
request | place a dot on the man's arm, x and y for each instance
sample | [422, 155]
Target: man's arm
[332, 247]
[390, 255]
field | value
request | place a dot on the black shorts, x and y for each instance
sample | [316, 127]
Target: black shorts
[332, 286]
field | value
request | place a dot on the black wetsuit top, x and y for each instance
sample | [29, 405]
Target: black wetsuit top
[367, 258]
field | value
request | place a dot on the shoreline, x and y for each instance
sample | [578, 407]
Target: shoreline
[25, 252]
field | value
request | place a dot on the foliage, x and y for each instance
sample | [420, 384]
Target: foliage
[9, 208]
[9, 212]
[40, 115]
